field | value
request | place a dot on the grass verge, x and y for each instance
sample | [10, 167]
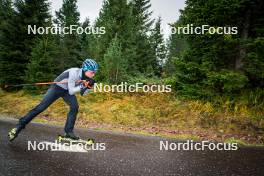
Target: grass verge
[155, 114]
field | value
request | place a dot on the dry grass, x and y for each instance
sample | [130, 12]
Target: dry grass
[154, 113]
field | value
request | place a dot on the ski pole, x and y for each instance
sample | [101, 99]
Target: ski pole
[39, 84]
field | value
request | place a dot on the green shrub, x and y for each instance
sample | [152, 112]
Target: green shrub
[226, 81]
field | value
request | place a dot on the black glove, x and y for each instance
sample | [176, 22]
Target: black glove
[91, 82]
[90, 85]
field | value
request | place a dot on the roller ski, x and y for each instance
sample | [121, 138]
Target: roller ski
[72, 139]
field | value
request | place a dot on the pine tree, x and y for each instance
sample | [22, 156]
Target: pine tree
[113, 16]
[16, 41]
[43, 52]
[142, 28]
[254, 59]
[159, 48]
[114, 64]
[85, 40]
[177, 45]
[142, 15]
[30, 12]
[220, 64]
[9, 59]
[70, 44]
[41, 66]
[116, 17]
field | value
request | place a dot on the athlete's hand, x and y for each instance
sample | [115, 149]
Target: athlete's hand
[88, 83]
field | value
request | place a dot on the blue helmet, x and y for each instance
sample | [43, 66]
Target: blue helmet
[89, 64]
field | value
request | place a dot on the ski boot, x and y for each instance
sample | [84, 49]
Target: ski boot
[72, 136]
[13, 133]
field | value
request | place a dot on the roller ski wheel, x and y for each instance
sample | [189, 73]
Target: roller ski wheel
[66, 139]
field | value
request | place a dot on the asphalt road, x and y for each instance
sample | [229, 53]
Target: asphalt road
[124, 154]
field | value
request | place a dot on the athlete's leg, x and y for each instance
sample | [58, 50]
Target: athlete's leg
[71, 100]
[51, 95]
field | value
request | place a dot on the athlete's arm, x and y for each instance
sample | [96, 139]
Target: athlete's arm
[72, 88]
